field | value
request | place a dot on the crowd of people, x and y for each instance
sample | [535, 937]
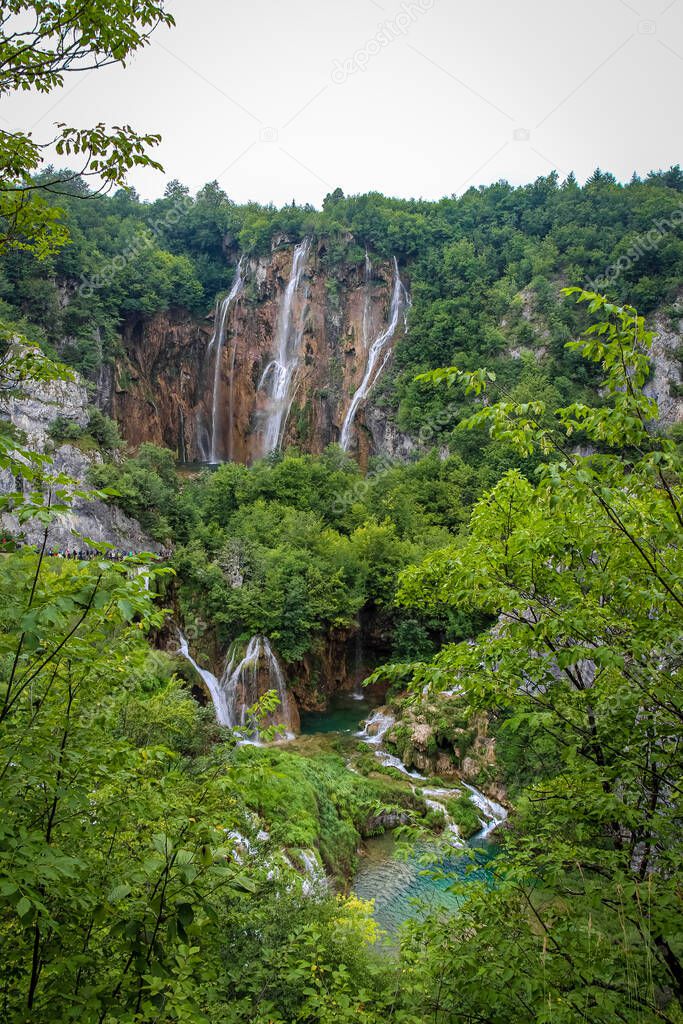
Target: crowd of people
[8, 544]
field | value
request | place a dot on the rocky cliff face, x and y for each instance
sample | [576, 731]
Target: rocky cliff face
[666, 379]
[284, 353]
[32, 412]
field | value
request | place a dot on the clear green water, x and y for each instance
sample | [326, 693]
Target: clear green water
[344, 715]
[399, 887]
[402, 890]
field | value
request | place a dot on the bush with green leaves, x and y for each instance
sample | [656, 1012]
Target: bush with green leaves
[582, 566]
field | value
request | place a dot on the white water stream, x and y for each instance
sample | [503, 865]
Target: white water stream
[213, 685]
[379, 351]
[492, 814]
[238, 688]
[278, 377]
[215, 348]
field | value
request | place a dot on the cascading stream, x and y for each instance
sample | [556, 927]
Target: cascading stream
[240, 682]
[493, 814]
[278, 377]
[238, 688]
[216, 346]
[213, 685]
[379, 352]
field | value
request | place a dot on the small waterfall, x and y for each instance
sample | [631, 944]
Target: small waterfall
[213, 685]
[376, 727]
[436, 805]
[379, 353]
[278, 377]
[239, 687]
[358, 693]
[314, 875]
[240, 683]
[182, 449]
[391, 761]
[494, 813]
[374, 731]
[216, 347]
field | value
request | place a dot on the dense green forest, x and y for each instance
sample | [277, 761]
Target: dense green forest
[142, 862]
[524, 580]
[467, 258]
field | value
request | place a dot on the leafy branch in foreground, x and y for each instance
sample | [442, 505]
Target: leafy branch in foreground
[583, 570]
[41, 45]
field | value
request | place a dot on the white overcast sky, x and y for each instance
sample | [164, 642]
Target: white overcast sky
[287, 100]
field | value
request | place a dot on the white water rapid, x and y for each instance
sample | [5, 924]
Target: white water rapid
[278, 377]
[379, 352]
[493, 813]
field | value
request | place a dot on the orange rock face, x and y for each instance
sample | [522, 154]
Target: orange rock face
[168, 388]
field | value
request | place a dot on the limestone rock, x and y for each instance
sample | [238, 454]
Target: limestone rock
[164, 383]
[32, 412]
[666, 377]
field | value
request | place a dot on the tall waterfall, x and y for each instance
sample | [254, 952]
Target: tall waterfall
[278, 377]
[367, 301]
[379, 353]
[216, 347]
[239, 687]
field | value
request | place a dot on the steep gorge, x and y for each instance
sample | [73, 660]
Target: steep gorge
[292, 357]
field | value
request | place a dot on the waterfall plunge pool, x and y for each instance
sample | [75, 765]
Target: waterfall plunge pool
[412, 886]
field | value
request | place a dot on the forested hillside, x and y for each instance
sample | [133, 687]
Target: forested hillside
[340, 589]
[484, 269]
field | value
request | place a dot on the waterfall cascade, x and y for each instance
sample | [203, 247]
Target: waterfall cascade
[215, 347]
[243, 682]
[493, 814]
[213, 685]
[379, 351]
[277, 379]
[367, 301]
[377, 725]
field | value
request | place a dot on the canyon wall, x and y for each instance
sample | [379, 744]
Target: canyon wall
[291, 354]
[32, 409]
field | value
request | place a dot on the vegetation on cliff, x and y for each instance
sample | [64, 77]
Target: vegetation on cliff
[485, 271]
[137, 882]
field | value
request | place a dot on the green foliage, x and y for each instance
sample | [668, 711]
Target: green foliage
[583, 570]
[464, 814]
[101, 432]
[294, 546]
[314, 803]
[485, 271]
[42, 42]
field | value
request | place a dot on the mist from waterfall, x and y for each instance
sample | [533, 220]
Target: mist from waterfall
[216, 347]
[278, 377]
[379, 353]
